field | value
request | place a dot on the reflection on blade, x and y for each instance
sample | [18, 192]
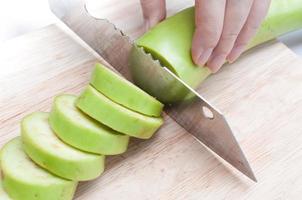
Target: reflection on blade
[189, 111]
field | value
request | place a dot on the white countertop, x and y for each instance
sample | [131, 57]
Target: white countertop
[32, 14]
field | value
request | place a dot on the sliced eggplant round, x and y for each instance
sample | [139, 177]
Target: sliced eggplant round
[117, 117]
[48, 151]
[124, 92]
[81, 131]
[24, 180]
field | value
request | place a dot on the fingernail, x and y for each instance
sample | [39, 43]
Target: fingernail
[235, 53]
[216, 62]
[204, 56]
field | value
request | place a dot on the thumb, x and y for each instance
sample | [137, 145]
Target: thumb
[154, 11]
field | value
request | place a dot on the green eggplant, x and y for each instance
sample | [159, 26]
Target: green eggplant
[170, 42]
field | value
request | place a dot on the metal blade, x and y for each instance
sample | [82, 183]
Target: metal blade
[193, 113]
[111, 44]
[101, 35]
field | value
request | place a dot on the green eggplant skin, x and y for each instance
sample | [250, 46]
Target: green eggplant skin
[115, 116]
[81, 131]
[24, 180]
[284, 16]
[124, 92]
[170, 42]
[49, 152]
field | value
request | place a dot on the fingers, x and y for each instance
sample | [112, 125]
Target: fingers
[236, 14]
[258, 12]
[224, 28]
[209, 17]
[154, 11]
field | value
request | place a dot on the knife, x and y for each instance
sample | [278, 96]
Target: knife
[197, 116]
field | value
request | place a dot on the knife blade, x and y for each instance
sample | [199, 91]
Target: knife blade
[197, 116]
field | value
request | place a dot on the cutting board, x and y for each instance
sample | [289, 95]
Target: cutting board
[260, 94]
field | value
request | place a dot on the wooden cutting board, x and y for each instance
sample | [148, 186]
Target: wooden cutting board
[260, 94]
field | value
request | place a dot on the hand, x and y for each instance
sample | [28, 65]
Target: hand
[223, 27]
[154, 11]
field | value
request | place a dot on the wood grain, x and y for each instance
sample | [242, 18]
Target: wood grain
[261, 95]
